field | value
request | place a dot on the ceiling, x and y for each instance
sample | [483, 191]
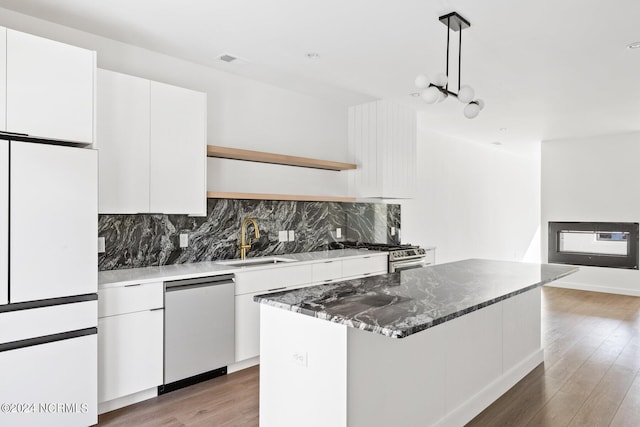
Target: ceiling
[547, 69]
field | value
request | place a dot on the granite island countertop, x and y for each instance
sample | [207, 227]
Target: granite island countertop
[400, 304]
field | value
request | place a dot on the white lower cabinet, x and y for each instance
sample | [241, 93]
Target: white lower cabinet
[130, 353]
[365, 266]
[247, 327]
[69, 370]
[130, 342]
[326, 271]
[252, 283]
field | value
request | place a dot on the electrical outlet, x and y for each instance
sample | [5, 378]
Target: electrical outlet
[282, 236]
[292, 236]
[393, 231]
[300, 358]
[184, 240]
[101, 245]
[338, 233]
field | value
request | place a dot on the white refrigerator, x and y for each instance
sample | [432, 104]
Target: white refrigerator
[48, 283]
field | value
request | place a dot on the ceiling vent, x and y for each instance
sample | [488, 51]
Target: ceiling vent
[228, 58]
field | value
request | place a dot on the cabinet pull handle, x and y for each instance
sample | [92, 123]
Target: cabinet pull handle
[131, 286]
[367, 274]
[276, 289]
[366, 257]
[328, 262]
[156, 309]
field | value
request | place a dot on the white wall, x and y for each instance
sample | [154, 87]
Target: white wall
[474, 201]
[242, 113]
[592, 179]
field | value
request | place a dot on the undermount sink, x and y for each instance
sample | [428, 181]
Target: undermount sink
[255, 261]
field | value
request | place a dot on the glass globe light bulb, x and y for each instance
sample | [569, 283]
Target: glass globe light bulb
[472, 110]
[480, 103]
[465, 94]
[430, 95]
[440, 80]
[422, 81]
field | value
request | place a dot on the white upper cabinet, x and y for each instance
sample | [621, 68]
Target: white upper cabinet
[382, 141]
[123, 141]
[49, 88]
[178, 150]
[152, 142]
[3, 78]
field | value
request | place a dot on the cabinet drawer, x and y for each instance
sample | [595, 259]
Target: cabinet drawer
[272, 278]
[129, 354]
[325, 271]
[364, 266]
[130, 298]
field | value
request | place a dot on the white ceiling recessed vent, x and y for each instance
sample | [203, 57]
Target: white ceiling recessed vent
[229, 59]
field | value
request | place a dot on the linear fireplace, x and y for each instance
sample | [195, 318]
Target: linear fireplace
[597, 244]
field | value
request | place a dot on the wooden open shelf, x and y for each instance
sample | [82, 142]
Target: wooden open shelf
[278, 159]
[261, 196]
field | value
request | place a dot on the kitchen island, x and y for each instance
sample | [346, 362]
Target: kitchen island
[429, 346]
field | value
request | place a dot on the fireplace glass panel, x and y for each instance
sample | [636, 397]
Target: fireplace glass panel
[591, 242]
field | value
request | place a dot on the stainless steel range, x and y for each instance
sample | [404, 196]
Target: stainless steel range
[401, 257]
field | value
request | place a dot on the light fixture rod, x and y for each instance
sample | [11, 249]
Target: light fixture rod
[459, 60]
[448, 32]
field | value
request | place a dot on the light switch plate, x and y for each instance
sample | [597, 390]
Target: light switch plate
[184, 240]
[282, 236]
[101, 245]
[292, 235]
[338, 233]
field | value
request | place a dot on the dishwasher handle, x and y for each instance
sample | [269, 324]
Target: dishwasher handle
[181, 285]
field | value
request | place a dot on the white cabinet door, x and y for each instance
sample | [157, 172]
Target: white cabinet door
[326, 271]
[60, 372]
[123, 141]
[178, 150]
[54, 221]
[366, 266]
[247, 327]
[272, 278]
[50, 88]
[3, 78]
[130, 354]
[4, 222]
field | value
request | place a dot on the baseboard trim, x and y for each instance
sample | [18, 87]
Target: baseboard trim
[121, 402]
[485, 397]
[594, 288]
[244, 364]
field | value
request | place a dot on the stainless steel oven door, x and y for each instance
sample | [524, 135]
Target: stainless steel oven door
[408, 264]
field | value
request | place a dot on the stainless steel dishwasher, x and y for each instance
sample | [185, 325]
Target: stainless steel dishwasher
[198, 330]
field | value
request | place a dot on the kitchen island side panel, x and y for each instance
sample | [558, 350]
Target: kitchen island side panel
[303, 370]
[442, 376]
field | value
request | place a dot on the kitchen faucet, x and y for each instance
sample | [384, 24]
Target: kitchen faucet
[245, 244]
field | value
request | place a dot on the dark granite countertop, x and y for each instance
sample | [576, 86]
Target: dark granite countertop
[400, 304]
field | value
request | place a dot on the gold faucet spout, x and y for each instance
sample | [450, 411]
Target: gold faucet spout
[245, 244]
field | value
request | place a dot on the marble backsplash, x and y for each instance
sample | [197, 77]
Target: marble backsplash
[149, 240]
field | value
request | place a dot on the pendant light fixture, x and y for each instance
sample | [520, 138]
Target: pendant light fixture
[437, 90]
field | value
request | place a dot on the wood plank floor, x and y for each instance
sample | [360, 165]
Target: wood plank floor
[590, 377]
